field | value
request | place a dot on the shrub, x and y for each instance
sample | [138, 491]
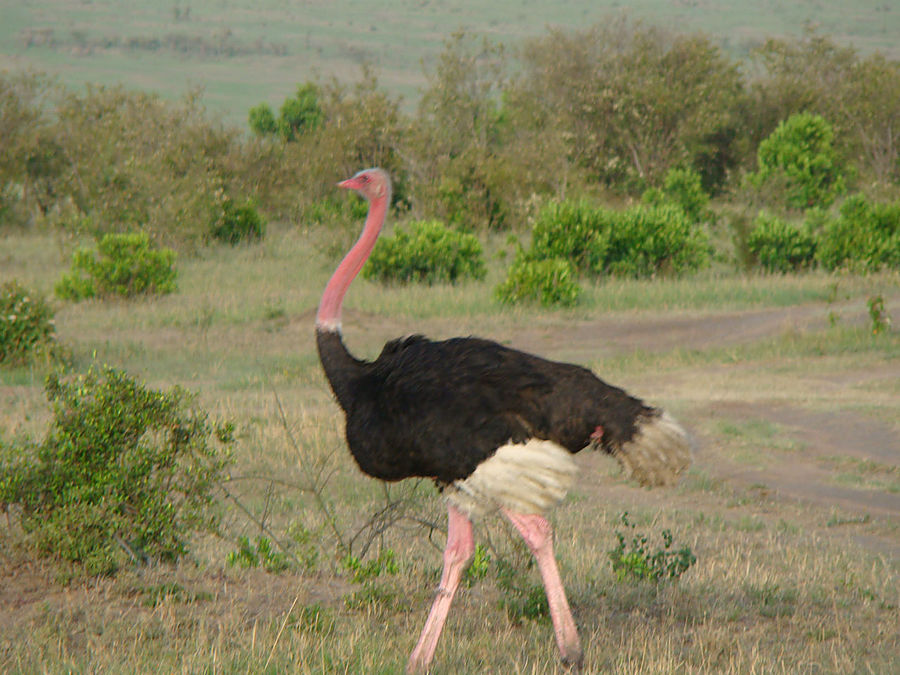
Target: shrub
[126, 266]
[646, 240]
[26, 324]
[573, 231]
[547, 282]
[779, 246]
[237, 223]
[428, 252]
[865, 237]
[799, 157]
[684, 188]
[124, 473]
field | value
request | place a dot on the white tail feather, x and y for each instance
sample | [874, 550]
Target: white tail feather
[659, 452]
[526, 477]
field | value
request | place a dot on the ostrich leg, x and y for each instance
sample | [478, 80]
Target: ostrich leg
[458, 552]
[538, 535]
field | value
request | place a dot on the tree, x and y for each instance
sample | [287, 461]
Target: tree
[300, 114]
[800, 158]
[632, 102]
[31, 157]
[457, 144]
[262, 120]
[870, 104]
[859, 97]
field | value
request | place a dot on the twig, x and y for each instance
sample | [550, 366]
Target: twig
[317, 495]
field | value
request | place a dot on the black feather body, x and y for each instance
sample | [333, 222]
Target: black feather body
[438, 409]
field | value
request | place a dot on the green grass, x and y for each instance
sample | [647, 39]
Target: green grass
[781, 584]
[335, 38]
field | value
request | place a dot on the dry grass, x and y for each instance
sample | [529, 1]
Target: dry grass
[791, 509]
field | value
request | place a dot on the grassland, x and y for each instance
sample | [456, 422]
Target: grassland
[242, 53]
[792, 507]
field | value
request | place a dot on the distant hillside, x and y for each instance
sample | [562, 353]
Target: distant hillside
[242, 52]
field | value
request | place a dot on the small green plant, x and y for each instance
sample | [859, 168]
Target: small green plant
[635, 560]
[773, 600]
[125, 473]
[237, 223]
[26, 325]
[428, 252]
[546, 282]
[124, 265]
[881, 321]
[779, 246]
[261, 554]
[304, 547]
[522, 598]
[156, 594]
[312, 619]
[366, 576]
[479, 567]
[362, 572]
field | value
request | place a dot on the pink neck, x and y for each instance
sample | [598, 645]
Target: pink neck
[329, 316]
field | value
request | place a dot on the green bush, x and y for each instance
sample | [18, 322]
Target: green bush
[124, 265]
[237, 223]
[547, 282]
[779, 246]
[26, 324]
[647, 240]
[640, 241]
[125, 473]
[865, 237]
[574, 231]
[800, 159]
[684, 188]
[429, 253]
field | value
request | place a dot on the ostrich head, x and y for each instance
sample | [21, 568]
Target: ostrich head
[373, 184]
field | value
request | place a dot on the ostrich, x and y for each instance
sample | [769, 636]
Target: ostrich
[494, 427]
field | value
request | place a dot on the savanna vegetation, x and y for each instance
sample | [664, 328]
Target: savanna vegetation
[194, 498]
